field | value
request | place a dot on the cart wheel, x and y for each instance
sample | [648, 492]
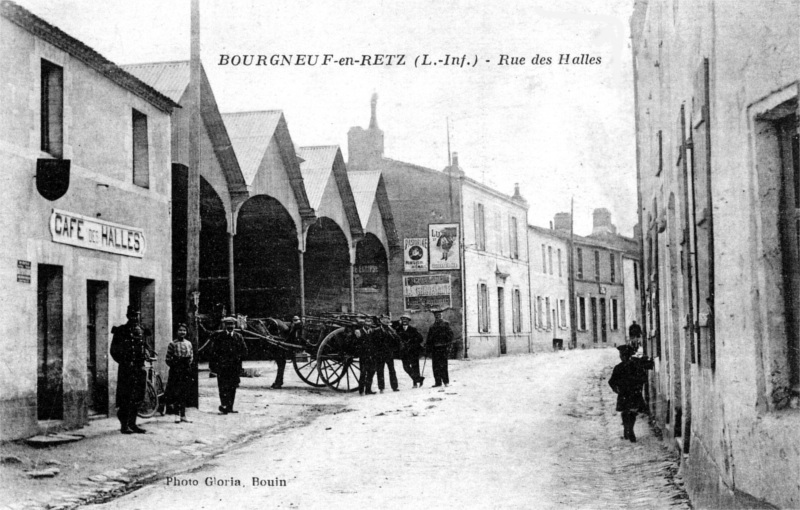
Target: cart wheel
[337, 363]
[306, 367]
[147, 407]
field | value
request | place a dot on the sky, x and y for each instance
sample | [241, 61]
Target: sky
[562, 131]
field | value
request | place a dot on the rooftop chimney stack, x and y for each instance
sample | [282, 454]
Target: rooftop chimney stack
[561, 221]
[601, 222]
[365, 146]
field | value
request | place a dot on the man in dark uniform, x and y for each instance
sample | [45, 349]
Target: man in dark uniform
[227, 351]
[367, 357]
[635, 335]
[410, 348]
[293, 336]
[129, 350]
[440, 336]
[627, 381]
[388, 343]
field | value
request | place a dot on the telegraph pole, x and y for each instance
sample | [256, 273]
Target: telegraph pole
[193, 196]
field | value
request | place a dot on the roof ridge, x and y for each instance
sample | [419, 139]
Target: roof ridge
[158, 63]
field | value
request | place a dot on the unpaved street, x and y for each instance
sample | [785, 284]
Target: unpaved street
[514, 432]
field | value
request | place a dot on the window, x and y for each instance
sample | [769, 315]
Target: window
[539, 308]
[580, 264]
[483, 308]
[559, 262]
[636, 275]
[52, 109]
[597, 265]
[544, 259]
[480, 227]
[547, 306]
[516, 311]
[514, 246]
[614, 313]
[141, 157]
[550, 257]
[582, 313]
[563, 313]
[612, 266]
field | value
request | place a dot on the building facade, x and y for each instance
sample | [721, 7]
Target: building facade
[548, 252]
[463, 249]
[716, 113]
[78, 248]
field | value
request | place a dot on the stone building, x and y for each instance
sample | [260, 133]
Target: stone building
[717, 144]
[599, 281]
[548, 252]
[77, 248]
[464, 248]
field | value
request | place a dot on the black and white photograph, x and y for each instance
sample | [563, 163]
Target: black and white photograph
[399, 254]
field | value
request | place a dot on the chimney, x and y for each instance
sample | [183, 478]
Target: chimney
[601, 222]
[551, 225]
[365, 146]
[454, 169]
[561, 221]
[517, 195]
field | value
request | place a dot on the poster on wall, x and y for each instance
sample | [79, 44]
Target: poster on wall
[445, 246]
[415, 252]
[426, 292]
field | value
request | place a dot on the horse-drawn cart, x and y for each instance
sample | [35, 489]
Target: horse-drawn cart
[325, 354]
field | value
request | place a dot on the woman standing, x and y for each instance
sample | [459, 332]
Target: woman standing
[179, 360]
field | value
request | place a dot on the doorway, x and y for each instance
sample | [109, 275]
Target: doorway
[142, 297]
[50, 343]
[501, 316]
[97, 347]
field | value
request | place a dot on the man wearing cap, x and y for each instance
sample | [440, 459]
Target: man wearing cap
[367, 354]
[129, 350]
[227, 351]
[387, 343]
[440, 336]
[627, 381]
[410, 348]
[294, 336]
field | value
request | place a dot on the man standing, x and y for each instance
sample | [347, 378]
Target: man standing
[129, 350]
[410, 348]
[388, 344]
[627, 381]
[367, 354]
[293, 336]
[440, 336]
[635, 335]
[227, 351]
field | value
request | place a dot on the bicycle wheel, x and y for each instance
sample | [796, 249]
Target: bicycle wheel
[162, 404]
[148, 406]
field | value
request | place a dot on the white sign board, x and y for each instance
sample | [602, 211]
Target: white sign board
[94, 234]
[427, 292]
[415, 254]
[445, 246]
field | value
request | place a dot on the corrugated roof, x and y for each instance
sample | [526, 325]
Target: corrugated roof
[250, 133]
[364, 184]
[316, 169]
[169, 78]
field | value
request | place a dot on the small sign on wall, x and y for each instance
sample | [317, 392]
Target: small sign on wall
[24, 271]
[415, 254]
[427, 292]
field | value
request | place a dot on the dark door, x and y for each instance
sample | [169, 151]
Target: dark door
[501, 316]
[603, 321]
[593, 307]
[50, 343]
[97, 347]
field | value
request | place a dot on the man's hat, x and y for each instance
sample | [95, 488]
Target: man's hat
[405, 316]
[131, 311]
[229, 319]
[436, 310]
[625, 349]
[295, 318]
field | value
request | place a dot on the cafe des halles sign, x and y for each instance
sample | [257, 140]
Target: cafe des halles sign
[94, 234]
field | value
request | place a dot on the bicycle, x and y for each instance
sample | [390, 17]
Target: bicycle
[153, 391]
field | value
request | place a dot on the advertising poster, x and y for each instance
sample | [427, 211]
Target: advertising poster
[426, 292]
[445, 247]
[415, 256]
